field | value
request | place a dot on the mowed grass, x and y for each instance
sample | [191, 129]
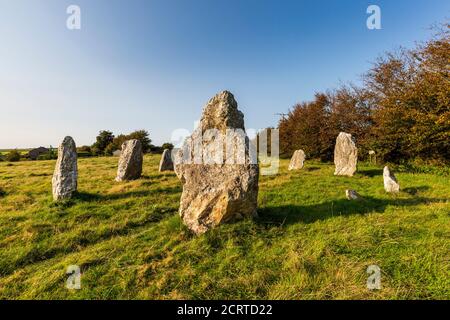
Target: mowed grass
[309, 242]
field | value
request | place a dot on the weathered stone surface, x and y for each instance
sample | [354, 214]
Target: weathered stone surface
[220, 181]
[345, 155]
[166, 163]
[117, 153]
[352, 195]
[130, 161]
[297, 160]
[64, 181]
[390, 181]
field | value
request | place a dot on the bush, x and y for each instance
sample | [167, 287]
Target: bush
[84, 149]
[82, 154]
[167, 145]
[401, 110]
[104, 138]
[13, 156]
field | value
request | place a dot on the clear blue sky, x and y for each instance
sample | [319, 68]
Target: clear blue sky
[154, 64]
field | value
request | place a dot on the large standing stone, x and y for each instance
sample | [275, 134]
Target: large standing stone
[166, 163]
[297, 160]
[64, 181]
[130, 161]
[390, 181]
[220, 180]
[345, 155]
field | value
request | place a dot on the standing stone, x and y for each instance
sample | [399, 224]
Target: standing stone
[117, 153]
[345, 155]
[372, 157]
[166, 163]
[390, 181]
[352, 195]
[130, 161]
[216, 168]
[297, 160]
[64, 181]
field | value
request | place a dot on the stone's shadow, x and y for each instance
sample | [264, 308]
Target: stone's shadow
[309, 169]
[39, 174]
[370, 172]
[414, 190]
[291, 214]
[91, 197]
[2, 193]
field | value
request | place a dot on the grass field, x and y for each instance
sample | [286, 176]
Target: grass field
[309, 242]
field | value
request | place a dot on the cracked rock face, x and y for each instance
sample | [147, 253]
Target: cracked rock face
[166, 163]
[219, 177]
[297, 160]
[390, 181]
[345, 155]
[64, 181]
[130, 161]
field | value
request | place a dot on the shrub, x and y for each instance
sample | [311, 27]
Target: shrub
[167, 145]
[103, 139]
[401, 110]
[13, 156]
[84, 149]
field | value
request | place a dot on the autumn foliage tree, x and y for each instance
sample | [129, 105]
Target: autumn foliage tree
[402, 111]
[411, 95]
[313, 126]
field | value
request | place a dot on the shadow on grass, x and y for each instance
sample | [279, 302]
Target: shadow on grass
[39, 174]
[370, 172]
[2, 193]
[309, 169]
[290, 214]
[90, 197]
[414, 190]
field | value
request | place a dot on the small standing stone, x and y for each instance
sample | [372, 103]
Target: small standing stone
[390, 181]
[166, 163]
[130, 161]
[117, 153]
[372, 157]
[345, 155]
[352, 195]
[297, 160]
[64, 181]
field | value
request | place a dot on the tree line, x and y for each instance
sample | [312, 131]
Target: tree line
[401, 110]
[106, 143]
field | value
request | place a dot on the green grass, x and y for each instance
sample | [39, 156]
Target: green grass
[21, 151]
[309, 242]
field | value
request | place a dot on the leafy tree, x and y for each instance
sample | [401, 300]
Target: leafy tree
[116, 142]
[103, 139]
[167, 145]
[13, 156]
[410, 90]
[85, 149]
[143, 136]
[402, 111]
